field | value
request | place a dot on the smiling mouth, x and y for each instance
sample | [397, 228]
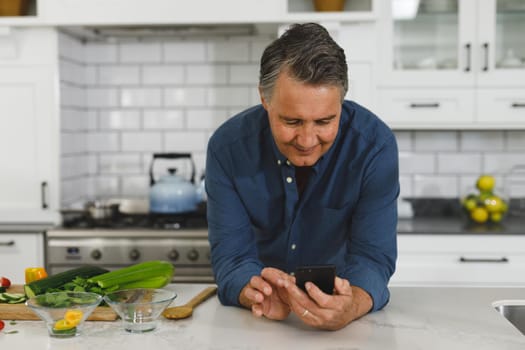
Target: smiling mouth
[305, 151]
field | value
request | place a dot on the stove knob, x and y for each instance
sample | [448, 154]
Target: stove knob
[96, 254]
[173, 254]
[193, 255]
[134, 254]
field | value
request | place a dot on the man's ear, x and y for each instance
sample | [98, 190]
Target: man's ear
[263, 99]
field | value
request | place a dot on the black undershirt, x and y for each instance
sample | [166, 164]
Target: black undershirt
[302, 174]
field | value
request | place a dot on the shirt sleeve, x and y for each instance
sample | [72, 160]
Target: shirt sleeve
[233, 249]
[372, 249]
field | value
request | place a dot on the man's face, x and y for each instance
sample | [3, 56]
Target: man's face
[304, 119]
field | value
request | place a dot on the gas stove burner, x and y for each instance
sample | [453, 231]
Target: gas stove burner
[195, 219]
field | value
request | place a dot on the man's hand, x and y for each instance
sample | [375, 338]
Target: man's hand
[321, 310]
[265, 298]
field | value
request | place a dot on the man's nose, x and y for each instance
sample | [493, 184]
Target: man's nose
[306, 136]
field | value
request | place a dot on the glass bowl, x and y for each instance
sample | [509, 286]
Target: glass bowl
[64, 312]
[139, 308]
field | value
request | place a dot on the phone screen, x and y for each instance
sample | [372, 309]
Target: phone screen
[322, 276]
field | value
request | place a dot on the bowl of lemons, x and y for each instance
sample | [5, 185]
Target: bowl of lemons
[485, 203]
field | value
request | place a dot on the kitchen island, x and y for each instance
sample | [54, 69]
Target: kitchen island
[415, 318]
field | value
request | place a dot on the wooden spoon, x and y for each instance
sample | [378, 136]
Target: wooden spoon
[186, 310]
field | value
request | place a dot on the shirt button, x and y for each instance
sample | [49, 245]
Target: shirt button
[292, 273]
[289, 180]
[287, 162]
[278, 161]
[293, 246]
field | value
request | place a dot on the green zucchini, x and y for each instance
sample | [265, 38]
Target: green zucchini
[149, 274]
[56, 281]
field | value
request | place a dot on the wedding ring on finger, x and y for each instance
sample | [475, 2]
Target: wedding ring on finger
[304, 313]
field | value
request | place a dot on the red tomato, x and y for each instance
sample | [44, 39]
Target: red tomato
[2, 325]
[5, 282]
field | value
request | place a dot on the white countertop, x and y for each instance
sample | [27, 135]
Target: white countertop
[416, 318]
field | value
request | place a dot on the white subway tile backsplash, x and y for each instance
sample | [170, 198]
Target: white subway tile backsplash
[417, 163]
[516, 141]
[435, 186]
[482, 141]
[206, 74]
[185, 141]
[101, 97]
[244, 74]
[185, 97]
[141, 52]
[120, 102]
[119, 119]
[135, 186]
[118, 75]
[141, 141]
[230, 96]
[501, 163]
[100, 53]
[228, 51]
[120, 163]
[163, 119]
[103, 142]
[404, 140]
[459, 163]
[435, 141]
[163, 75]
[206, 119]
[140, 97]
[185, 51]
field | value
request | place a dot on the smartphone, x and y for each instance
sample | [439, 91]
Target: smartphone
[322, 276]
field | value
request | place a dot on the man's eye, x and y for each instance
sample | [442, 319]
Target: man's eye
[292, 122]
[323, 121]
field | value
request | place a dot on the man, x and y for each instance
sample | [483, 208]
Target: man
[306, 178]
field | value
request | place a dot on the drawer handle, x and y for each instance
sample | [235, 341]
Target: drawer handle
[488, 260]
[486, 54]
[468, 49]
[7, 244]
[518, 105]
[424, 105]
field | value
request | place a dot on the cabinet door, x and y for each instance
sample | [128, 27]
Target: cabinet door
[19, 251]
[460, 260]
[428, 43]
[28, 142]
[501, 43]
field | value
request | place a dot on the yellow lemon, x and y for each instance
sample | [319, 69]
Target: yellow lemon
[73, 316]
[496, 217]
[470, 204]
[479, 215]
[486, 183]
[494, 204]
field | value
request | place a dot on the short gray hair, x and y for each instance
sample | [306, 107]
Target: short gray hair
[309, 54]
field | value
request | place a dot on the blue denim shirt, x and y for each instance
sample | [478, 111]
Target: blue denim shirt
[346, 216]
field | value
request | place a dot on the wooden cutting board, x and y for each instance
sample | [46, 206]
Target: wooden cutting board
[22, 312]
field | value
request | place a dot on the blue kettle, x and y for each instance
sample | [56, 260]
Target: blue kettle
[171, 193]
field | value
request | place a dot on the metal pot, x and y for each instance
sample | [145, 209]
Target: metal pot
[99, 210]
[172, 193]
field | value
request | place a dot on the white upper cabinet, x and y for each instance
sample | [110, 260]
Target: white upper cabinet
[452, 64]
[29, 128]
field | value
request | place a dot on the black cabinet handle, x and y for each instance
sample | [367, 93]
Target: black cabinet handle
[518, 105]
[43, 188]
[487, 260]
[424, 105]
[468, 48]
[7, 244]
[486, 54]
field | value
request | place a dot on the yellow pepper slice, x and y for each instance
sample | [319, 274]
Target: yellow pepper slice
[73, 316]
[62, 325]
[34, 274]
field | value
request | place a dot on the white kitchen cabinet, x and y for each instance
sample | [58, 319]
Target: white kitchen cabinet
[29, 127]
[18, 251]
[460, 260]
[449, 49]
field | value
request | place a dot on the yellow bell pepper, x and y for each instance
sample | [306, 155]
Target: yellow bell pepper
[34, 274]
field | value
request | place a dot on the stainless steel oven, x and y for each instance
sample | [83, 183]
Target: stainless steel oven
[128, 240]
